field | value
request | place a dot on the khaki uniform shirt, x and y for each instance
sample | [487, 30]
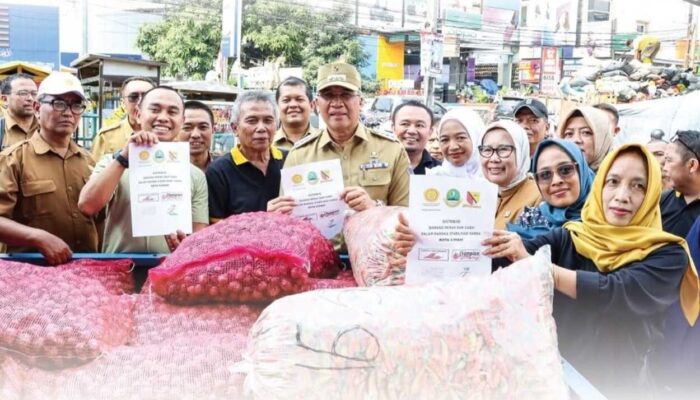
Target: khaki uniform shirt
[14, 133]
[118, 237]
[281, 141]
[110, 139]
[511, 202]
[373, 160]
[40, 189]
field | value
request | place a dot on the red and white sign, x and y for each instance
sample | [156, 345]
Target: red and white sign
[551, 71]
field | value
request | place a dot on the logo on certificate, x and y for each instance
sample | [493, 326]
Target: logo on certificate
[465, 255]
[143, 155]
[431, 195]
[473, 199]
[312, 177]
[297, 179]
[453, 198]
[172, 156]
[172, 210]
[159, 156]
[325, 175]
[433, 255]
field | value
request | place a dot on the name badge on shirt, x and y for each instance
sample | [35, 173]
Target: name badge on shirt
[374, 164]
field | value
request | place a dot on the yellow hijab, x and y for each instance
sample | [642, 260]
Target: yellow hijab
[611, 247]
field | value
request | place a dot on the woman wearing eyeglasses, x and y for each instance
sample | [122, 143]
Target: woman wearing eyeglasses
[589, 129]
[615, 273]
[458, 133]
[564, 180]
[505, 161]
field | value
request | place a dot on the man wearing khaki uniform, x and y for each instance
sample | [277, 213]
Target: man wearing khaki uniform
[41, 178]
[375, 165]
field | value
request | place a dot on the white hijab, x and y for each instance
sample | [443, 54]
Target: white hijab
[522, 149]
[474, 125]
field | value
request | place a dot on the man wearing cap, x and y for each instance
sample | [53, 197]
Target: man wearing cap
[532, 116]
[18, 93]
[113, 137]
[41, 178]
[375, 165]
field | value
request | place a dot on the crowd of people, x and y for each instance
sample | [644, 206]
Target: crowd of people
[621, 219]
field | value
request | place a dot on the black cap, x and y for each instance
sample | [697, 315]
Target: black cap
[537, 107]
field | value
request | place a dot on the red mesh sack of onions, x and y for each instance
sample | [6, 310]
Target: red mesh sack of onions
[199, 368]
[253, 257]
[156, 321]
[115, 275]
[51, 318]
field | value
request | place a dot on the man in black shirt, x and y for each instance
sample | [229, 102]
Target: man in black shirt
[412, 123]
[249, 176]
[681, 206]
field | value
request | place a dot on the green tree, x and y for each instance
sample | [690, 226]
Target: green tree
[187, 39]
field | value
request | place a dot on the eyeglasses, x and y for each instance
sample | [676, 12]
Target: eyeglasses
[62, 105]
[503, 151]
[134, 97]
[343, 96]
[678, 139]
[564, 171]
[26, 93]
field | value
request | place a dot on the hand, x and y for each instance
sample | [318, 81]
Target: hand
[505, 244]
[174, 239]
[53, 248]
[403, 242]
[141, 138]
[357, 198]
[282, 204]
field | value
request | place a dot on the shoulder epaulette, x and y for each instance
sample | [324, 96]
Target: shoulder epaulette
[9, 149]
[384, 135]
[108, 128]
[306, 140]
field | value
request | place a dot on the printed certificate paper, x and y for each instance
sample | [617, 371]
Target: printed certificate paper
[159, 181]
[451, 216]
[316, 189]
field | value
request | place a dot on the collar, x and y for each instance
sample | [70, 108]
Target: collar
[11, 123]
[239, 158]
[360, 132]
[281, 135]
[427, 160]
[42, 147]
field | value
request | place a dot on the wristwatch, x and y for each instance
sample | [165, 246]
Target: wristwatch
[121, 159]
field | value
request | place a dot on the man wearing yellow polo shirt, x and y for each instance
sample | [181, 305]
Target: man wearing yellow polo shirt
[249, 176]
[645, 48]
[114, 137]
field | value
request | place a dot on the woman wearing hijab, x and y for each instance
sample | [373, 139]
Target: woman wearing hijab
[458, 133]
[589, 128]
[505, 161]
[564, 180]
[615, 273]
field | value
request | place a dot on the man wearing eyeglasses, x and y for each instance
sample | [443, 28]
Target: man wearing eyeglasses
[681, 206]
[112, 138]
[41, 178]
[375, 164]
[18, 93]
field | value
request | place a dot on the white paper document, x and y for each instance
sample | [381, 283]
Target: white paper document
[316, 189]
[450, 216]
[159, 183]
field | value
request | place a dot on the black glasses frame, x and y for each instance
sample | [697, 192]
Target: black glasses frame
[503, 151]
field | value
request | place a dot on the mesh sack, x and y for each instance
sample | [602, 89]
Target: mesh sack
[115, 275]
[369, 236]
[481, 337]
[199, 368]
[253, 257]
[156, 321]
[52, 318]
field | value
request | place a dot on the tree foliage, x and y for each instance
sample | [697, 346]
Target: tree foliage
[303, 36]
[187, 39]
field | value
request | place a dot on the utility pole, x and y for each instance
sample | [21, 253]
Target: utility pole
[689, 54]
[432, 22]
[579, 20]
[84, 47]
[357, 12]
